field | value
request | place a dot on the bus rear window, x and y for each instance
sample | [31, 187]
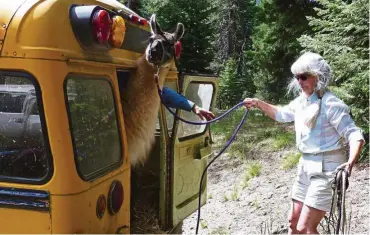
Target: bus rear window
[23, 146]
[200, 94]
[94, 125]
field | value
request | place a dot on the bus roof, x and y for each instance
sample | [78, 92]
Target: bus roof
[41, 29]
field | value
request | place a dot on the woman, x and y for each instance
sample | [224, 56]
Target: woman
[323, 126]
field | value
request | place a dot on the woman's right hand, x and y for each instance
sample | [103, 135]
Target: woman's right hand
[251, 102]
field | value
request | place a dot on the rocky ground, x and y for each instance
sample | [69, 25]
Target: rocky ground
[263, 205]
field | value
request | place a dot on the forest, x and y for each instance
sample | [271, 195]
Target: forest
[251, 44]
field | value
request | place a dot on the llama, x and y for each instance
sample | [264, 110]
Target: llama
[140, 101]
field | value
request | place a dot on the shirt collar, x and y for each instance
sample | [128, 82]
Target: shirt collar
[310, 99]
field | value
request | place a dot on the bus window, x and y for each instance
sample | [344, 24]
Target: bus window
[94, 125]
[22, 143]
[200, 94]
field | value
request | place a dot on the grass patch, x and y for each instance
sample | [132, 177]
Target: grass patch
[290, 160]
[239, 148]
[204, 224]
[228, 123]
[252, 170]
[267, 132]
[256, 203]
[220, 231]
[283, 140]
[235, 194]
[226, 198]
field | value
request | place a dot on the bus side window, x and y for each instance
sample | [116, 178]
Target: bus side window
[22, 142]
[96, 140]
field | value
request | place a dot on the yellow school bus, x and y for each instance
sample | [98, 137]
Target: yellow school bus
[62, 169]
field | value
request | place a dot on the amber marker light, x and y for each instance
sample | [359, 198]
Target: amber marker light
[118, 31]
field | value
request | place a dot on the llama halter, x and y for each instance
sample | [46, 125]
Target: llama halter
[169, 50]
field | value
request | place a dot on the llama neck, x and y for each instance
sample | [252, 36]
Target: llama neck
[145, 66]
[142, 87]
[147, 70]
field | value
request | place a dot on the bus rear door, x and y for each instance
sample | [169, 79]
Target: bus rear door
[190, 149]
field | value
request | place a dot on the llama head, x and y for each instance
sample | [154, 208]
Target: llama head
[161, 47]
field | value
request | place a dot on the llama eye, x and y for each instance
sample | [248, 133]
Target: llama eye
[151, 40]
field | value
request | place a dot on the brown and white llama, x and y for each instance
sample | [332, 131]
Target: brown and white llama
[141, 101]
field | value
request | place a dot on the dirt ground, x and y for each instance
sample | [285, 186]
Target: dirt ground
[263, 205]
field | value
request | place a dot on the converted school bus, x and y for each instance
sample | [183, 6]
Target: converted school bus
[63, 169]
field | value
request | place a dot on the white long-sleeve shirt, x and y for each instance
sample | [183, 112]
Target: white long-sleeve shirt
[334, 126]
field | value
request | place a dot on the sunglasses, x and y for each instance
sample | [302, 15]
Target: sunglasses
[303, 76]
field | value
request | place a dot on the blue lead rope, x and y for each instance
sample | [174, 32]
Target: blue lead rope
[204, 123]
[219, 154]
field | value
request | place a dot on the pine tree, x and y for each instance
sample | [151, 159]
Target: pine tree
[228, 94]
[234, 26]
[275, 46]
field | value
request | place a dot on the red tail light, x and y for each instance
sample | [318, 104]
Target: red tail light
[101, 23]
[115, 197]
[134, 18]
[143, 21]
[101, 204]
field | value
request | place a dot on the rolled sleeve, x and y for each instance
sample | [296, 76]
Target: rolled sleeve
[286, 113]
[340, 119]
[176, 100]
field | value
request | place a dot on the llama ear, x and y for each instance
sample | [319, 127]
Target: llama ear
[179, 31]
[154, 27]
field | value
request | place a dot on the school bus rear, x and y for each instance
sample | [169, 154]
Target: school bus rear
[62, 170]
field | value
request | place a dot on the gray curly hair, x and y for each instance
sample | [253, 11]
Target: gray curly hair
[314, 64]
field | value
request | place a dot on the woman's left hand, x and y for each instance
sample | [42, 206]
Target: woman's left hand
[348, 166]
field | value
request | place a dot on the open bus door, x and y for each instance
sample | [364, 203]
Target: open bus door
[187, 151]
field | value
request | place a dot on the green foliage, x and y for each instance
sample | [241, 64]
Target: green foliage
[234, 30]
[283, 139]
[204, 224]
[275, 46]
[252, 170]
[234, 22]
[290, 160]
[229, 93]
[220, 231]
[226, 198]
[235, 194]
[227, 124]
[256, 203]
[342, 37]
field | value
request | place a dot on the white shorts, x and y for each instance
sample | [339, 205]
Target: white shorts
[316, 173]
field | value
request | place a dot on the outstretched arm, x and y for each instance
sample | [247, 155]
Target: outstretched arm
[176, 100]
[267, 108]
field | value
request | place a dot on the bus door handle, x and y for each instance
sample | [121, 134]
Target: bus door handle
[18, 120]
